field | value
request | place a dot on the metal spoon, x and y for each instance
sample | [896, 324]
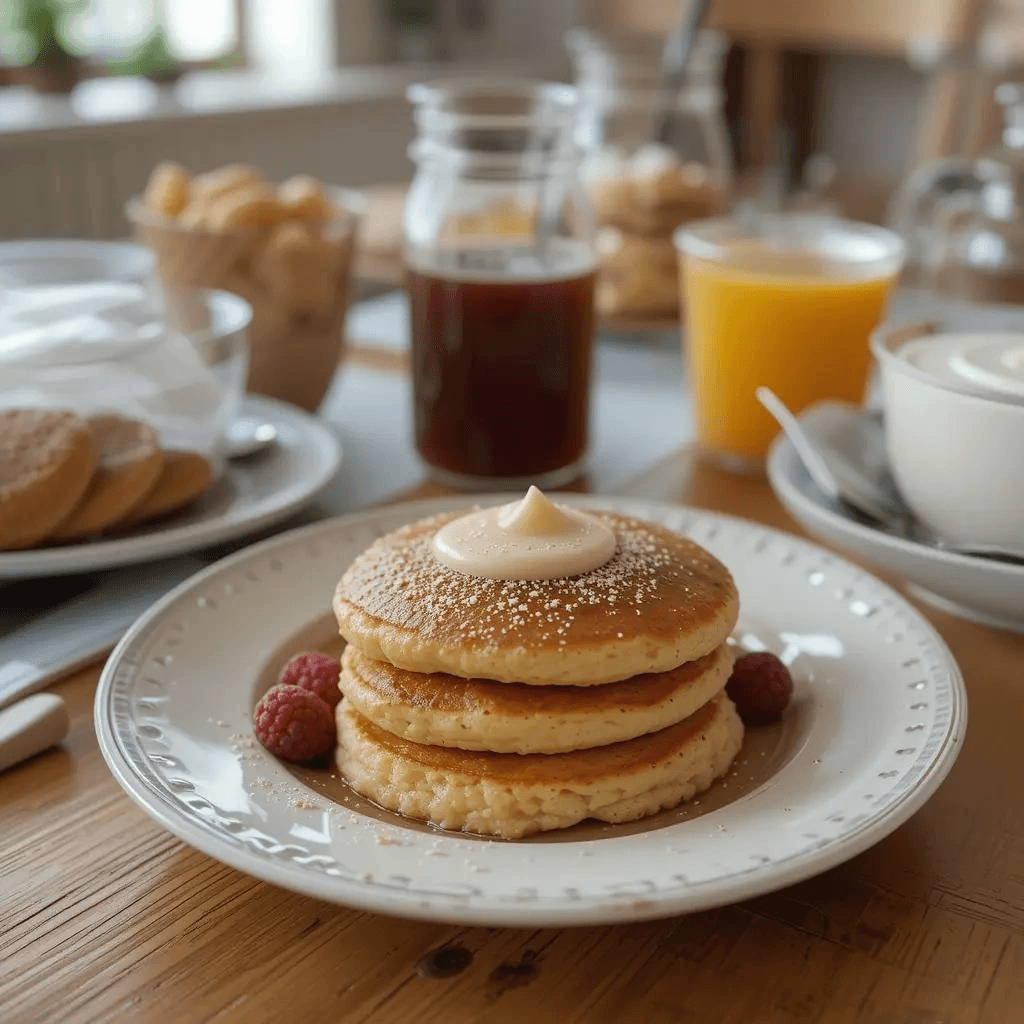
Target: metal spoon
[674, 60]
[835, 477]
[839, 480]
[246, 436]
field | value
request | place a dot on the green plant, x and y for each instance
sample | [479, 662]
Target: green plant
[43, 24]
[412, 14]
[153, 57]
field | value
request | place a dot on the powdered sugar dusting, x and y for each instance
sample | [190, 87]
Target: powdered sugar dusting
[653, 574]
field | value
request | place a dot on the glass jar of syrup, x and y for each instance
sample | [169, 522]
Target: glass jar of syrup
[500, 275]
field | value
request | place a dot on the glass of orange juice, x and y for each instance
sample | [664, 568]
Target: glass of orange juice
[782, 300]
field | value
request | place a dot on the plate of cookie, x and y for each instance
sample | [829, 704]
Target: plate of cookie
[395, 731]
[81, 494]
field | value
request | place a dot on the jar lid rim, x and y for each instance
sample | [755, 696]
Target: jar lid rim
[437, 102]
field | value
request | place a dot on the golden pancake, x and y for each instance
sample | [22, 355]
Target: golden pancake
[514, 795]
[185, 476]
[479, 714]
[660, 601]
[129, 463]
[46, 461]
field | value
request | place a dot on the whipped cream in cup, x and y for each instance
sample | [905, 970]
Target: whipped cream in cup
[989, 364]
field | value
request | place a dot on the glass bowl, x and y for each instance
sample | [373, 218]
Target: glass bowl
[111, 347]
[52, 261]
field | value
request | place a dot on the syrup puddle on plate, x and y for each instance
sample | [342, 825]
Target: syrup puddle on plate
[765, 750]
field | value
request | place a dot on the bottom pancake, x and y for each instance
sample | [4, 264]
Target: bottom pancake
[514, 795]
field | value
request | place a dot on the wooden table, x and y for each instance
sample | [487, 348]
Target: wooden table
[104, 917]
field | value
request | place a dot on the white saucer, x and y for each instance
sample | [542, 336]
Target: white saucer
[252, 493]
[980, 589]
[877, 719]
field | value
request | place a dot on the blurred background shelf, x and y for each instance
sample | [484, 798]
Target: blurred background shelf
[872, 86]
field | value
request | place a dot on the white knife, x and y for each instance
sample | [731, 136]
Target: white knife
[31, 726]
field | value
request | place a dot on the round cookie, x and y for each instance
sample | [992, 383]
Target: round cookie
[129, 464]
[47, 458]
[660, 601]
[185, 475]
[514, 795]
[477, 714]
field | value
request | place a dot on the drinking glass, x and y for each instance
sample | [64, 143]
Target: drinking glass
[787, 301]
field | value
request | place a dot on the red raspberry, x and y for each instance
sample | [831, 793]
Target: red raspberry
[294, 724]
[760, 686]
[315, 672]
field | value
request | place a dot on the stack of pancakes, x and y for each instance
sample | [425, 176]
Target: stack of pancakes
[509, 707]
[64, 478]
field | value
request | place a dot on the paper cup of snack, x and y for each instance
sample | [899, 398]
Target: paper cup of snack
[638, 275]
[286, 249]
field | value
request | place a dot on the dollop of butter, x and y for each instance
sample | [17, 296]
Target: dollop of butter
[530, 539]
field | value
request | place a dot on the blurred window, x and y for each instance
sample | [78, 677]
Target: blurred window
[200, 29]
[291, 37]
[195, 31]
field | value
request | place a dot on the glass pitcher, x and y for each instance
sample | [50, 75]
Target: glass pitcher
[963, 218]
[619, 87]
[642, 191]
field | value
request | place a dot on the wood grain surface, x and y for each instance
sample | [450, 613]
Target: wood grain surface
[104, 917]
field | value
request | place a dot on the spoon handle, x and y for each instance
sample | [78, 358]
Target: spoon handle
[674, 61]
[818, 469]
[848, 488]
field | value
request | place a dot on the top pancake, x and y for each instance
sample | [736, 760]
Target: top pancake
[661, 600]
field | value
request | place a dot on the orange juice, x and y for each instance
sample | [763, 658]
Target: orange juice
[793, 321]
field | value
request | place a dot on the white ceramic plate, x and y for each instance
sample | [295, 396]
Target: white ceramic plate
[877, 720]
[252, 493]
[982, 589]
